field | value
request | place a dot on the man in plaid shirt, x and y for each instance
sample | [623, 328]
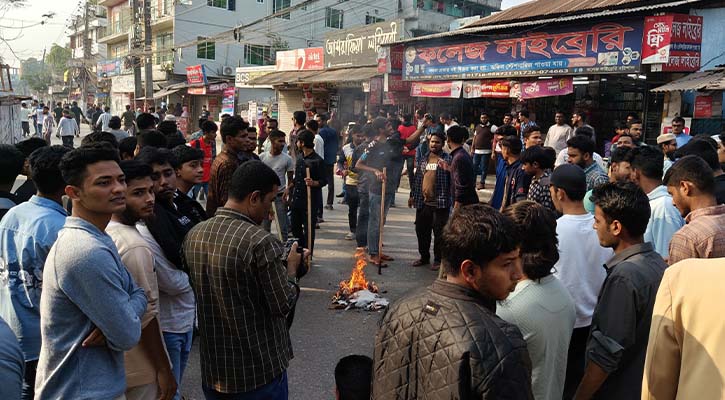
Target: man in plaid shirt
[431, 197]
[245, 292]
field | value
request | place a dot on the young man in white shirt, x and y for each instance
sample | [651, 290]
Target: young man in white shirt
[67, 129]
[284, 167]
[104, 119]
[558, 133]
[580, 262]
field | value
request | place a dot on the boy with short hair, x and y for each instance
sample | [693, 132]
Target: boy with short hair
[537, 164]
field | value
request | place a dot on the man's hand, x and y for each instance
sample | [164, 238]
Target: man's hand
[380, 175]
[167, 384]
[309, 182]
[410, 202]
[293, 260]
[95, 339]
[443, 164]
[456, 205]
[285, 196]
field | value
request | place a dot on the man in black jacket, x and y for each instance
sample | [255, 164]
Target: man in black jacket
[445, 341]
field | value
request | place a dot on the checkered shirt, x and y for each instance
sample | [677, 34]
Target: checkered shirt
[443, 183]
[702, 237]
[539, 190]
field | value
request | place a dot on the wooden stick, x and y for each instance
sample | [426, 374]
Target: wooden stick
[309, 217]
[276, 221]
[382, 223]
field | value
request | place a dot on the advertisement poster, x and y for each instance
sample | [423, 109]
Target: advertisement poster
[228, 101]
[309, 59]
[672, 42]
[492, 89]
[703, 107]
[547, 87]
[108, 68]
[448, 89]
[611, 47]
[196, 75]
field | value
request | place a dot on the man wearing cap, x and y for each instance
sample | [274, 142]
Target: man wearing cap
[580, 262]
[668, 143]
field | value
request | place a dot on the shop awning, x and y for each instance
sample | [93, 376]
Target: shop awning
[165, 92]
[713, 79]
[282, 77]
[345, 75]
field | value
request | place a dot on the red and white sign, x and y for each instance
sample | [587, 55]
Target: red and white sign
[196, 75]
[547, 87]
[703, 107]
[495, 89]
[397, 84]
[443, 89]
[309, 59]
[672, 42]
[196, 90]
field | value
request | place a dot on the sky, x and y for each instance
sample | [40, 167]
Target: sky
[27, 39]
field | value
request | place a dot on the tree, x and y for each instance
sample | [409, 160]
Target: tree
[57, 59]
[35, 74]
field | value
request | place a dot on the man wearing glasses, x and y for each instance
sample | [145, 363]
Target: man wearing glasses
[678, 127]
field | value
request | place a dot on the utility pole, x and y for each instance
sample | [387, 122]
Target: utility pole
[148, 71]
[135, 49]
[86, 57]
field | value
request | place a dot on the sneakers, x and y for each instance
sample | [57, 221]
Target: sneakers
[350, 236]
[328, 207]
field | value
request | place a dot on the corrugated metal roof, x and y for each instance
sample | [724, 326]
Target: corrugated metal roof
[345, 75]
[713, 79]
[281, 77]
[552, 8]
[468, 30]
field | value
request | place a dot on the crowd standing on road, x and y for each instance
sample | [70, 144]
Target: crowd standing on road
[585, 276]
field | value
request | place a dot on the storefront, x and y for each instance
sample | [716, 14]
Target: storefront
[594, 64]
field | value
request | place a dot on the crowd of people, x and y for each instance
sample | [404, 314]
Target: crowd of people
[562, 286]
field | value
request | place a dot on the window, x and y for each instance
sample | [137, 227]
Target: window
[206, 50]
[217, 3]
[370, 19]
[258, 55]
[164, 44]
[333, 18]
[260, 1]
[280, 5]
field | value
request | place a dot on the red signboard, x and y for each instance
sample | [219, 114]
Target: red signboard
[703, 107]
[445, 89]
[672, 42]
[397, 84]
[547, 87]
[196, 75]
[309, 59]
[496, 89]
[197, 90]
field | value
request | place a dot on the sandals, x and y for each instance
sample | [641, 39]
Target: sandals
[386, 258]
[419, 263]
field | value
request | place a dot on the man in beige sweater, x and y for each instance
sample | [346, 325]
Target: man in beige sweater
[148, 370]
[686, 350]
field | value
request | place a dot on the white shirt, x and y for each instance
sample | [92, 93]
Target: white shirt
[563, 158]
[68, 127]
[25, 114]
[545, 314]
[103, 120]
[319, 145]
[448, 126]
[557, 136]
[580, 266]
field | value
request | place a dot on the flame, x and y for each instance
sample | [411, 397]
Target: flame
[357, 278]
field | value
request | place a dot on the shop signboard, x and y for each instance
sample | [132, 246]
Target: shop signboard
[376, 90]
[489, 88]
[672, 42]
[703, 107]
[245, 74]
[228, 101]
[359, 47]
[309, 59]
[547, 87]
[108, 68]
[610, 47]
[390, 58]
[217, 88]
[196, 75]
[397, 84]
[443, 89]
[201, 90]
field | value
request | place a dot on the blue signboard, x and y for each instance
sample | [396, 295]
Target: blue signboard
[609, 47]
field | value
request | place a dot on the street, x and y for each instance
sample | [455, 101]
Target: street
[320, 337]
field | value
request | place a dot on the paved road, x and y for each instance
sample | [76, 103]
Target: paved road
[320, 337]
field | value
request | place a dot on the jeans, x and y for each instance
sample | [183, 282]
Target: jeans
[394, 174]
[38, 129]
[353, 201]
[330, 177]
[178, 345]
[199, 187]
[480, 165]
[29, 380]
[26, 127]
[281, 216]
[275, 390]
[67, 141]
[576, 360]
[430, 219]
[363, 216]
[299, 228]
[410, 167]
[374, 221]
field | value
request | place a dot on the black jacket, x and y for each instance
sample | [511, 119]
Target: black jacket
[446, 342]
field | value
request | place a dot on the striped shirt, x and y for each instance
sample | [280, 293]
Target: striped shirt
[702, 237]
[243, 298]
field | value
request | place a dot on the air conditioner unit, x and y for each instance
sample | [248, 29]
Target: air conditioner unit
[228, 70]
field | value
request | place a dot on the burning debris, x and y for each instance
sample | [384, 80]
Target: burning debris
[358, 292]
